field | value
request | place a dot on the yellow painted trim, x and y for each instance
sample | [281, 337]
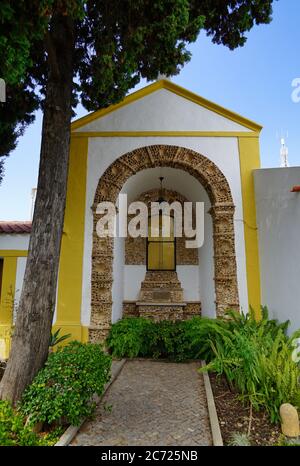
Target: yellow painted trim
[78, 332]
[71, 257]
[13, 253]
[7, 304]
[172, 87]
[5, 340]
[139, 134]
[250, 160]
[8, 289]
[84, 334]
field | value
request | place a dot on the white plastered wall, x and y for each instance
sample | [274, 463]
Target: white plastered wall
[118, 278]
[278, 222]
[162, 111]
[188, 276]
[14, 242]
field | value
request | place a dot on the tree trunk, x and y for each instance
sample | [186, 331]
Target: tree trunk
[31, 337]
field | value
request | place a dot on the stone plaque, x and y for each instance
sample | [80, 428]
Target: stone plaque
[161, 296]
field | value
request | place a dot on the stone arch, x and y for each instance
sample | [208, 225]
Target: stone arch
[222, 211]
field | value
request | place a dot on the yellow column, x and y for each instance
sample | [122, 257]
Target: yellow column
[7, 304]
[250, 160]
[71, 257]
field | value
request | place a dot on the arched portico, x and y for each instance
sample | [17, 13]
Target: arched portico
[222, 211]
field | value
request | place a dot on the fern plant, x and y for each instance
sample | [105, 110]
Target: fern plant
[256, 358]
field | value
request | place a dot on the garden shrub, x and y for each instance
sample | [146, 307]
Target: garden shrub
[166, 338]
[64, 387]
[185, 340]
[12, 429]
[256, 358]
[131, 337]
[179, 341]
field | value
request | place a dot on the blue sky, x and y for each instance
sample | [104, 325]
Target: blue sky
[254, 81]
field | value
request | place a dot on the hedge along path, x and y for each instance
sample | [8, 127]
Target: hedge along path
[71, 431]
[151, 403]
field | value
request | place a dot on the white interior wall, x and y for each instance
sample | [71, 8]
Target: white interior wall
[118, 279]
[133, 277]
[197, 281]
[188, 276]
[206, 265]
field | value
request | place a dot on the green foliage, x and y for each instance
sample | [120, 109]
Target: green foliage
[55, 338]
[130, 337]
[13, 431]
[64, 387]
[280, 377]
[256, 358]
[116, 44]
[254, 355]
[167, 340]
[239, 440]
[50, 438]
[288, 442]
[249, 325]
[184, 340]
[198, 333]
[21, 26]
[179, 341]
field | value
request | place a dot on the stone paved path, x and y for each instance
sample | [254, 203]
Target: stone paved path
[152, 403]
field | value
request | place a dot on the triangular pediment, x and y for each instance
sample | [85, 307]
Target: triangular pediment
[164, 107]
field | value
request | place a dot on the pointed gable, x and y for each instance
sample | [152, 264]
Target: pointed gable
[164, 106]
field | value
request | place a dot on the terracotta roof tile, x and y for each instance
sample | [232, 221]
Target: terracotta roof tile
[18, 227]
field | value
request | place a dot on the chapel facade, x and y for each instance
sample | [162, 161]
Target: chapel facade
[160, 143]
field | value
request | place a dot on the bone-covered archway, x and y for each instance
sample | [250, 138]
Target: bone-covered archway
[222, 211]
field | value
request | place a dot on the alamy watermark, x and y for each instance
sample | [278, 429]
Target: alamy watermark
[162, 220]
[2, 90]
[296, 351]
[296, 90]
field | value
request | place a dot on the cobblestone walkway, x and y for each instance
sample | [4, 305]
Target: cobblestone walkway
[152, 403]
